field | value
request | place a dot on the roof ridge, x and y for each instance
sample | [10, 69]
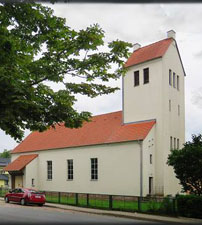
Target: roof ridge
[153, 43]
[107, 113]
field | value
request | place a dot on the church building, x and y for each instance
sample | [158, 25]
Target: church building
[118, 153]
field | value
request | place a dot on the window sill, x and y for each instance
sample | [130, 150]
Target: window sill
[70, 180]
[93, 180]
[49, 179]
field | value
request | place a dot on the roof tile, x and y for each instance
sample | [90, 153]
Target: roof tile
[102, 129]
[149, 52]
[20, 162]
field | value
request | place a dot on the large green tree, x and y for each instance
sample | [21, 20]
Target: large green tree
[37, 47]
[187, 164]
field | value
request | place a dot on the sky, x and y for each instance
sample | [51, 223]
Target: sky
[144, 24]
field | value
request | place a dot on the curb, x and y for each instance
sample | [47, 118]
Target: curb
[138, 216]
[117, 215]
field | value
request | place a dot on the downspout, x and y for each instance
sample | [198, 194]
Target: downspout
[141, 167]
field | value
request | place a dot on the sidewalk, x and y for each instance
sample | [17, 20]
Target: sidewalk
[131, 215]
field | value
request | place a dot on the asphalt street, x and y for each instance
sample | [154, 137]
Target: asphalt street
[14, 213]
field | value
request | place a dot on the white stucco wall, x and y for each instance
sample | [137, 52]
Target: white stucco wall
[31, 172]
[148, 169]
[118, 169]
[174, 124]
[151, 101]
[143, 102]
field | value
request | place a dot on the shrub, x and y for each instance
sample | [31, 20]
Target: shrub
[167, 205]
[189, 205]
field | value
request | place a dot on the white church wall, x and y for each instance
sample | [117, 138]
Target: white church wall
[148, 166]
[151, 101]
[143, 102]
[118, 169]
[174, 122]
[32, 173]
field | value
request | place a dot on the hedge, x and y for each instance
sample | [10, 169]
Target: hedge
[189, 205]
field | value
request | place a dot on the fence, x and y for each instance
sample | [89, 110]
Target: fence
[166, 205]
[158, 205]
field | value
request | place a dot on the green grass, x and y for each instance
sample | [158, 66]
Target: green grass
[123, 204]
[98, 203]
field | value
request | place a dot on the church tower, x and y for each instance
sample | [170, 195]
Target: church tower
[153, 88]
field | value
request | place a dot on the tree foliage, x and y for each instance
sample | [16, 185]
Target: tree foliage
[38, 48]
[5, 154]
[187, 164]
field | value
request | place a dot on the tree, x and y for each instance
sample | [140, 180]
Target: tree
[38, 48]
[5, 154]
[187, 164]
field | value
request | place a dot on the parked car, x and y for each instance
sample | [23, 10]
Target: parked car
[25, 196]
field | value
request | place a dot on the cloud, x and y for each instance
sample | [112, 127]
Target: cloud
[183, 17]
[197, 98]
[198, 54]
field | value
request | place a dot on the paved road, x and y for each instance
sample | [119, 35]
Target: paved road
[14, 213]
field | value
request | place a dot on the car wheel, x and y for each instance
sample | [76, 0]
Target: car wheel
[22, 201]
[40, 204]
[7, 200]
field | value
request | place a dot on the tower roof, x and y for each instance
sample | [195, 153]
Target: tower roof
[149, 52]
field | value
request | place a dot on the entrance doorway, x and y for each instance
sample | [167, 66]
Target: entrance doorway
[12, 181]
[150, 185]
[16, 179]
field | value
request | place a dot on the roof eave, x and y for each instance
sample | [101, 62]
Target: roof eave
[144, 61]
[79, 146]
[180, 57]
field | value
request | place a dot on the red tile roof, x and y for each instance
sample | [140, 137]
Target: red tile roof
[149, 52]
[106, 128]
[20, 162]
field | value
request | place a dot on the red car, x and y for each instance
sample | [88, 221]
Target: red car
[25, 196]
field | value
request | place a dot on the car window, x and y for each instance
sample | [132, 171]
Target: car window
[20, 190]
[35, 192]
[14, 190]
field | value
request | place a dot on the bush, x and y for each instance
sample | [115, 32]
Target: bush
[167, 205]
[190, 205]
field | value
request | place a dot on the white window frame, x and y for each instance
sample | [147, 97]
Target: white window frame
[170, 77]
[94, 168]
[174, 80]
[70, 169]
[144, 80]
[136, 74]
[49, 170]
[171, 142]
[178, 82]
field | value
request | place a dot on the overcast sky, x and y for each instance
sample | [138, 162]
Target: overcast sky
[142, 23]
